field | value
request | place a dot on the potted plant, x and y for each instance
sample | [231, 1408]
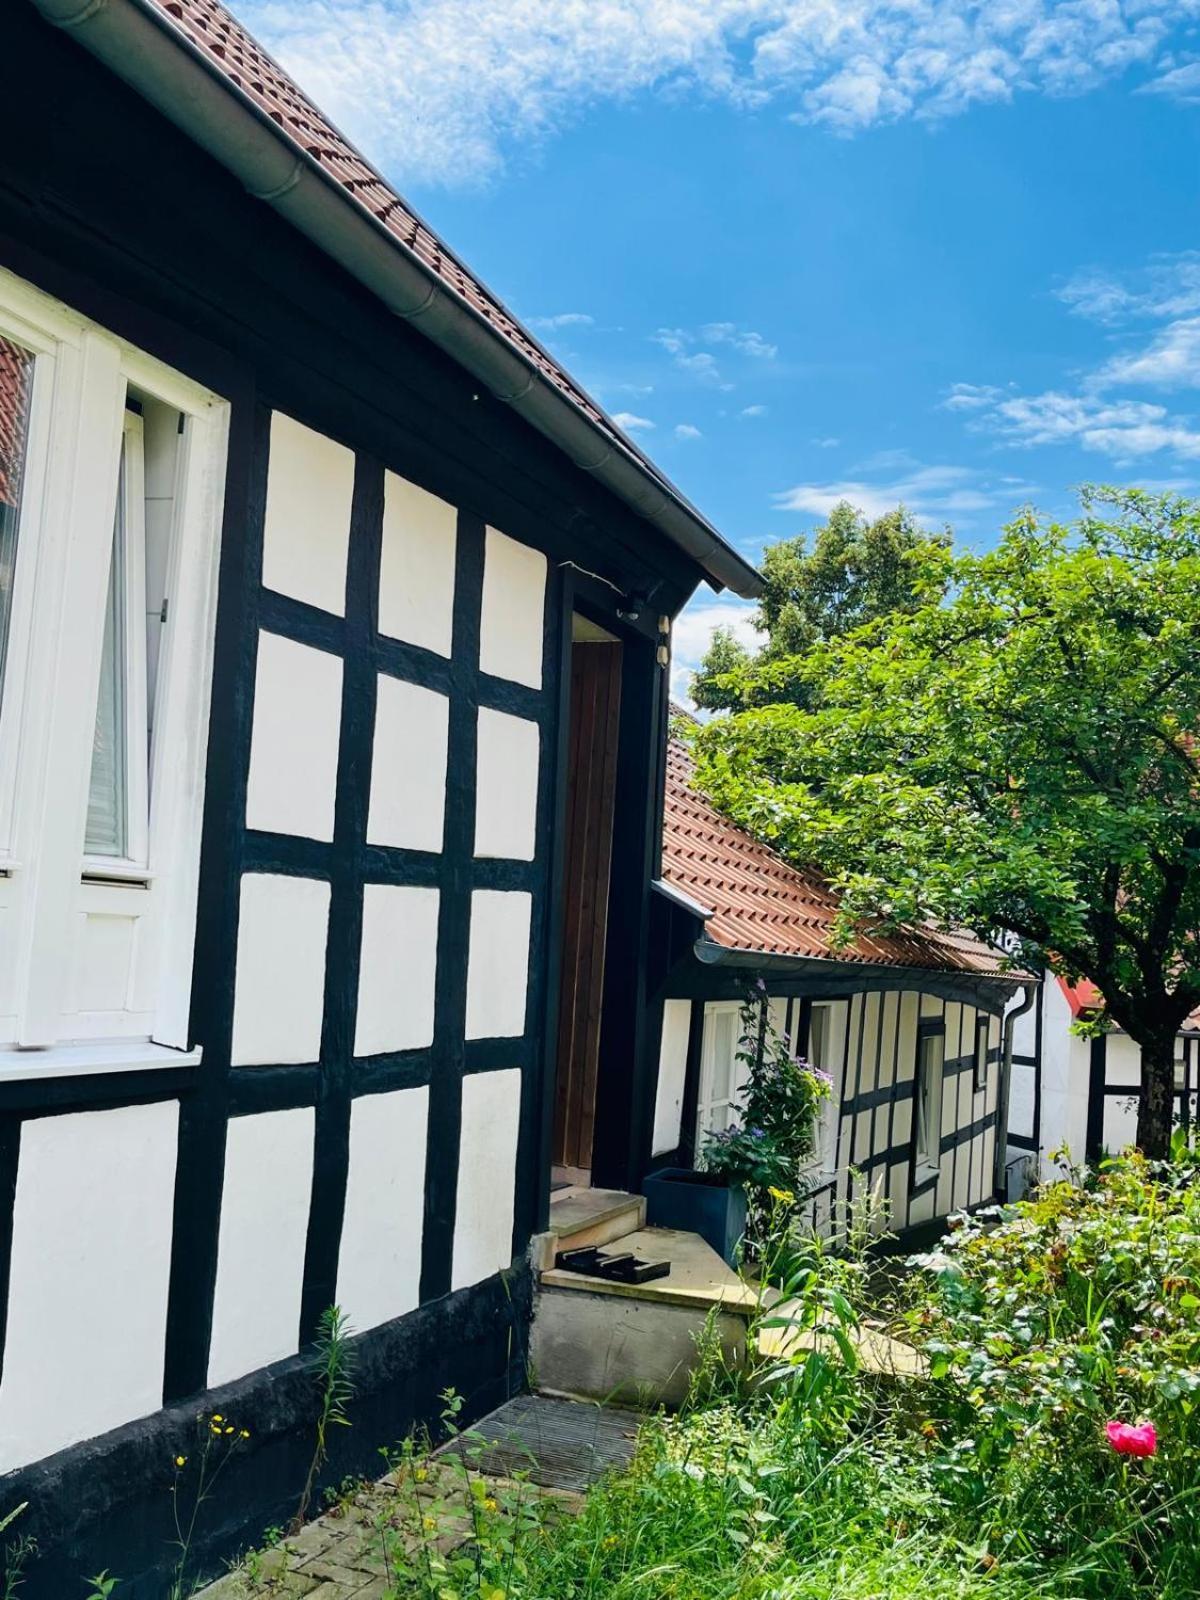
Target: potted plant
[744, 1168]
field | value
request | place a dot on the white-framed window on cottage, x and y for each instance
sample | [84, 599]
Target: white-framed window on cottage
[819, 1053]
[982, 1044]
[722, 1075]
[927, 1107]
[111, 484]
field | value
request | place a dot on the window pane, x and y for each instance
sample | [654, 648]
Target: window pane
[724, 1035]
[16, 375]
[107, 818]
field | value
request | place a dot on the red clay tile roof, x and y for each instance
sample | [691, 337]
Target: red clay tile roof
[241, 60]
[762, 903]
[1085, 996]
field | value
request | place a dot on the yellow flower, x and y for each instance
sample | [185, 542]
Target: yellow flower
[181, 1461]
[490, 1505]
[784, 1196]
[228, 1430]
[420, 1474]
[245, 1434]
[217, 1417]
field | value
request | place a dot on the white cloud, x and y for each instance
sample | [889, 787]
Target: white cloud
[1179, 83]
[1124, 429]
[970, 396]
[931, 493]
[693, 630]
[1090, 413]
[753, 411]
[564, 319]
[441, 91]
[1165, 286]
[1170, 361]
[631, 422]
[685, 347]
[686, 430]
[743, 339]
[829, 443]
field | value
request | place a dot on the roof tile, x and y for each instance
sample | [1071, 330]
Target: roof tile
[761, 902]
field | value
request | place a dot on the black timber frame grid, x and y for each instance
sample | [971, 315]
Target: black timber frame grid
[347, 864]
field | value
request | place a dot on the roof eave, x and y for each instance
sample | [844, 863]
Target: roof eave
[712, 954]
[143, 47]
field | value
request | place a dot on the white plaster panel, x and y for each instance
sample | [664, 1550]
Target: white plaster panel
[279, 994]
[408, 768]
[887, 1049]
[487, 1175]
[672, 1073]
[379, 1266]
[898, 1194]
[498, 963]
[506, 786]
[306, 531]
[398, 968]
[416, 571]
[869, 1063]
[902, 1121]
[510, 624]
[1123, 1062]
[1020, 1102]
[260, 1250]
[922, 1207]
[91, 1230]
[292, 784]
[1120, 1121]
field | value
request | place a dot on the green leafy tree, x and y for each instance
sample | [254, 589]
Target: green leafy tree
[1021, 759]
[854, 571]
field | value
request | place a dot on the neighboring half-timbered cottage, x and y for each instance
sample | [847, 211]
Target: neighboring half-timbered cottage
[1075, 1099]
[908, 1026]
[333, 642]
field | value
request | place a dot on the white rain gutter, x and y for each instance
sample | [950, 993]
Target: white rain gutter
[142, 46]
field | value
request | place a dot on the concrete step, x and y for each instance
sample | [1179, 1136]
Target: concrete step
[636, 1343]
[581, 1217]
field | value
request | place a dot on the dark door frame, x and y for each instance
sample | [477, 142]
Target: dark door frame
[622, 1133]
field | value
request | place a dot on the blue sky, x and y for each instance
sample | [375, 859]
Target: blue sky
[936, 252]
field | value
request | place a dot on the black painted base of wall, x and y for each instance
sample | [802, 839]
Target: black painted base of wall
[107, 1503]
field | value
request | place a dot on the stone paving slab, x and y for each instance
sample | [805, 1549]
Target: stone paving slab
[537, 1450]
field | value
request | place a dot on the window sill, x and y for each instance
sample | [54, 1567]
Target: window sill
[89, 1059]
[925, 1173]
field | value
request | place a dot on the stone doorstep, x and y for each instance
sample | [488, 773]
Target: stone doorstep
[699, 1279]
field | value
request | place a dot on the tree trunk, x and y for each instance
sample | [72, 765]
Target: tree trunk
[1156, 1105]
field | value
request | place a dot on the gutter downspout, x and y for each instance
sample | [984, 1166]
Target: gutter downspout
[142, 46]
[1000, 1163]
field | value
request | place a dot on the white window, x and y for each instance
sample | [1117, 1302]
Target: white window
[931, 1052]
[722, 1075]
[111, 479]
[819, 1053]
[982, 1032]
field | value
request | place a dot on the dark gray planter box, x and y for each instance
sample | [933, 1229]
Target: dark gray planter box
[697, 1202]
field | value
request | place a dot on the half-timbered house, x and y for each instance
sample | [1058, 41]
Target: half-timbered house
[1074, 1098]
[334, 628]
[909, 1026]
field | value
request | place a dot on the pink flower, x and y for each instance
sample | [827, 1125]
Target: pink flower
[1132, 1439]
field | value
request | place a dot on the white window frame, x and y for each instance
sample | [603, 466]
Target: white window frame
[823, 1161]
[82, 378]
[927, 1102]
[706, 1104]
[134, 864]
[983, 1044]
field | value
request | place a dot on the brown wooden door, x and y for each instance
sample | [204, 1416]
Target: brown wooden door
[591, 781]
